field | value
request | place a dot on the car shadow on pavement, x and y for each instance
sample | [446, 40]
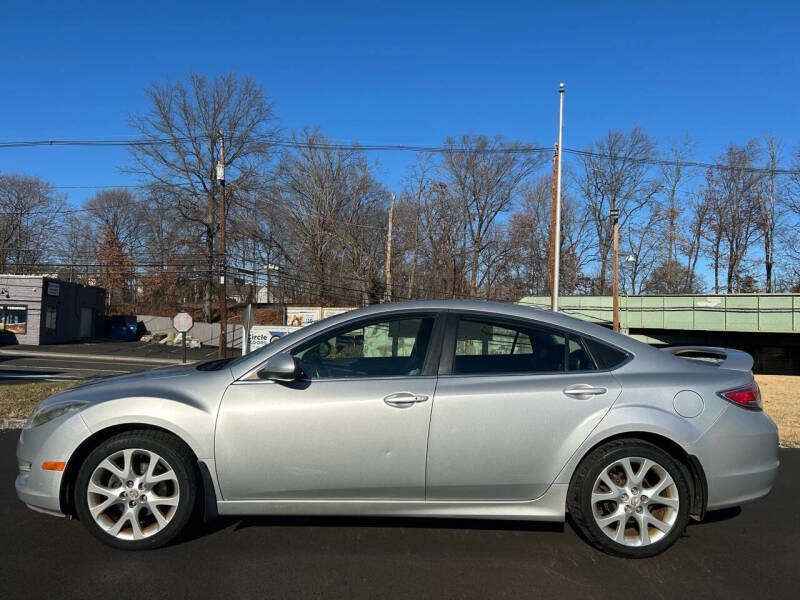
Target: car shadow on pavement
[209, 528]
[240, 523]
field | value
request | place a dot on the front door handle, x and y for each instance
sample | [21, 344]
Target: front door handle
[404, 399]
[583, 391]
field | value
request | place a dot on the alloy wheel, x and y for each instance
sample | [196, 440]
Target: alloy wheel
[635, 501]
[133, 494]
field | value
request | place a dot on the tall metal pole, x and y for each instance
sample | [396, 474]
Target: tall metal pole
[557, 237]
[223, 295]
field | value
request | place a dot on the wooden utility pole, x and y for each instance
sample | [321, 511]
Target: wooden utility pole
[553, 209]
[223, 295]
[615, 268]
[387, 296]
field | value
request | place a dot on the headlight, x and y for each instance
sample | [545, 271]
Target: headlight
[44, 415]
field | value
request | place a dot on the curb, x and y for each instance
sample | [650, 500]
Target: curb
[106, 357]
[12, 423]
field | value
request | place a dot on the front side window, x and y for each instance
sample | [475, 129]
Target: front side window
[386, 348]
[486, 347]
[14, 319]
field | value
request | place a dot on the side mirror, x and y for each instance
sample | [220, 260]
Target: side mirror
[281, 367]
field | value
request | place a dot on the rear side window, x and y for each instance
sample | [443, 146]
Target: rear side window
[578, 359]
[606, 357]
[487, 347]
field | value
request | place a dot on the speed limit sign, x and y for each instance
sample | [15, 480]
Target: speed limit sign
[182, 322]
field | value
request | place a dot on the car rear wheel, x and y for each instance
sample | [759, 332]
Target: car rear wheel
[630, 498]
[137, 490]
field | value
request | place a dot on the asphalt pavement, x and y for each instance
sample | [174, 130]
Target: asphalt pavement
[21, 369]
[750, 553]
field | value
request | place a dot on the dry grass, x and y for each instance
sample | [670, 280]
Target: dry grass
[17, 401]
[781, 397]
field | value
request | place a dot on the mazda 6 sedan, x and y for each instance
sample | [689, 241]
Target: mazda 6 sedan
[432, 409]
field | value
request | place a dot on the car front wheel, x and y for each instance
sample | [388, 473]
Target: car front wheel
[137, 490]
[630, 498]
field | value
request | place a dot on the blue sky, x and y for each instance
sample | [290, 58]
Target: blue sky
[403, 73]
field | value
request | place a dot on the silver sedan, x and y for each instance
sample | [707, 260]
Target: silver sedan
[431, 409]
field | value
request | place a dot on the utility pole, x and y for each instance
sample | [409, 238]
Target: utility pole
[553, 209]
[223, 295]
[387, 296]
[614, 214]
[557, 237]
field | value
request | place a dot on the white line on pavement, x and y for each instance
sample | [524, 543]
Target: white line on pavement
[16, 367]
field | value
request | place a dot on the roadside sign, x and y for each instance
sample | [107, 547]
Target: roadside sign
[182, 322]
[261, 335]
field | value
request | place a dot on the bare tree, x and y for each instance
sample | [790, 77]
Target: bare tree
[29, 211]
[616, 174]
[180, 149]
[639, 242]
[485, 176]
[443, 227]
[691, 244]
[769, 203]
[408, 215]
[674, 176]
[329, 200]
[117, 212]
[736, 186]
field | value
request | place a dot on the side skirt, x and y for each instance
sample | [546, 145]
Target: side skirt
[548, 507]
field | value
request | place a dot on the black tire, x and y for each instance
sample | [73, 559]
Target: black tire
[179, 458]
[583, 481]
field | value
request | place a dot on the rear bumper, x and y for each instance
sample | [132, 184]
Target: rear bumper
[739, 455]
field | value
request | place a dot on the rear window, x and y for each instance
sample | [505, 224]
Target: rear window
[606, 357]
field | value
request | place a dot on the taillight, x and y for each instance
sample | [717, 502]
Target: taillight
[748, 396]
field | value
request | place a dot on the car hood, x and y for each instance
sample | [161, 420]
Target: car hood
[173, 382]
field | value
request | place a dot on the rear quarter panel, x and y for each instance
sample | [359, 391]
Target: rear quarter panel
[646, 403]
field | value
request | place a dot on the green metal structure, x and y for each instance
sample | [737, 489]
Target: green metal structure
[768, 313]
[765, 325]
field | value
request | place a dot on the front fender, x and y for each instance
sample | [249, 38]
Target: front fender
[193, 424]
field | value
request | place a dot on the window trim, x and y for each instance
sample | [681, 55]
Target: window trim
[451, 333]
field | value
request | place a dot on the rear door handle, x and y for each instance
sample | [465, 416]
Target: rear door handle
[583, 391]
[404, 399]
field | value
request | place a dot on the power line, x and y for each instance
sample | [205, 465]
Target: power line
[278, 142]
[688, 164]
[355, 146]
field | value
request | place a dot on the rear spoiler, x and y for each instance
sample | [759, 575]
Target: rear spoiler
[724, 358]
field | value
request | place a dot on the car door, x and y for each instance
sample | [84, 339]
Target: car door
[355, 427]
[513, 402]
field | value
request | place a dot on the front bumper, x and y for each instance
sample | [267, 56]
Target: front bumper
[54, 441]
[739, 455]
